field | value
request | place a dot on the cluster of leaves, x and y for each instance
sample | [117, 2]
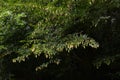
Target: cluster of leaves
[32, 28]
[58, 27]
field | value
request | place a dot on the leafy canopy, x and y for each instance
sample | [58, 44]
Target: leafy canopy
[47, 26]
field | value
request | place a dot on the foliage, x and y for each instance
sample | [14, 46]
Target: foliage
[61, 29]
[41, 29]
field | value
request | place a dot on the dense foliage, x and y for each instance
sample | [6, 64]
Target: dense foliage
[68, 37]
